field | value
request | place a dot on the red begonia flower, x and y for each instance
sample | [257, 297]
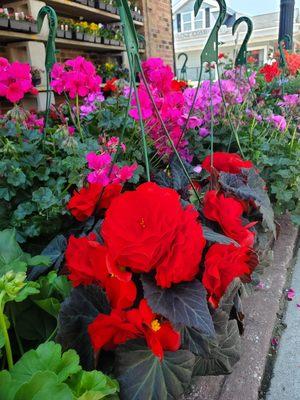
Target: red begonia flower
[226, 162]
[108, 331]
[86, 260]
[83, 203]
[224, 263]
[270, 71]
[159, 334]
[228, 212]
[148, 229]
[110, 85]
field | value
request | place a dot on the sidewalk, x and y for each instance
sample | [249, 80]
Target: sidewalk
[285, 384]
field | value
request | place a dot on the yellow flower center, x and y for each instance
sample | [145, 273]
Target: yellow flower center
[155, 325]
[142, 223]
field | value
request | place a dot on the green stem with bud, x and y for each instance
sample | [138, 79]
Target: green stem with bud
[5, 334]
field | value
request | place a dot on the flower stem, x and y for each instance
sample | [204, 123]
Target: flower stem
[5, 334]
[78, 117]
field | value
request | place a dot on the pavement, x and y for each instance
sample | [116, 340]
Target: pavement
[285, 384]
[261, 316]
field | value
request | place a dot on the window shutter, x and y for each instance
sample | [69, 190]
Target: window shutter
[178, 22]
[207, 17]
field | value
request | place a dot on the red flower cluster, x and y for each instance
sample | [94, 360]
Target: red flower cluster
[108, 331]
[270, 71]
[178, 86]
[293, 62]
[110, 86]
[148, 229]
[86, 260]
[224, 263]
[84, 203]
[226, 162]
[228, 212]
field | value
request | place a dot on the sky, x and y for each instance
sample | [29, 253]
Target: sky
[256, 7]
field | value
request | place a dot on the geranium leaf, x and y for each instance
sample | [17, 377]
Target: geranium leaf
[253, 189]
[8, 388]
[143, 376]
[12, 258]
[93, 385]
[224, 352]
[77, 312]
[47, 357]
[44, 385]
[215, 237]
[183, 304]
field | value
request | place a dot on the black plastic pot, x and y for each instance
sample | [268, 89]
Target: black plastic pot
[78, 35]
[100, 5]
[87, 37]
[111, 9]
[3, 23]
[33, 27]
[23, 26]
[91, 3]
[60, 33]
[68, 34]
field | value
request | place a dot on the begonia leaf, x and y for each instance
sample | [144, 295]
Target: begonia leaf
[143, 376]
[77, 312]
[215, 237]
[183, 304]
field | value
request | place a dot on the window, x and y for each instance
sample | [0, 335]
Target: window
[199, 21]
[186, 22]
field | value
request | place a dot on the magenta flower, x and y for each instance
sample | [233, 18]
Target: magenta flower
[278, 121]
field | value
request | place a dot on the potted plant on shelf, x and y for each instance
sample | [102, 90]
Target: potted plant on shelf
[36, 76]
[98, 34]
[3, 18]
[78, 31]
[18, 22]
[117, 38]
[111, 7]
[90, 32]
[100, 4]
[91, 3]
[32, 23]
[60, 28]
[105, 35]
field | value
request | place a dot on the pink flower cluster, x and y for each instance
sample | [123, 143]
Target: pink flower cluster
[103, 172]
[174, 103]
[91, 103]
[169, 100]
[76, 77]
[15, 80]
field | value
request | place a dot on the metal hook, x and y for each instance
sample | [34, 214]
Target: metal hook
[241, 58]
[286, 41]
[210, 51]
[183, 74]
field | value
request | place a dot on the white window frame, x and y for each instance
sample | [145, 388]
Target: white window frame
[192, 21]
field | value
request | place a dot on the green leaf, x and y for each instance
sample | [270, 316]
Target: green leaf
[143, 376]
[47, 357]
[50, 305]
[215, 237]
[92, 385]
[184, 304]
[12, 257]
[44, 386]
[29, 289]
[224, 352]
[44, 198]
[8, 388]
[39, 260]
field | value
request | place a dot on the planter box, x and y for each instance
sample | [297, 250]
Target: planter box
[87, 37]
[114, 42]
[60, 33]
[111, 9]
[33, 27]
[106, 41]
[98, 39]
[91, 3]
[101, 5]
[4, 23]
[68, 34]
[78, 35]
[23, 26]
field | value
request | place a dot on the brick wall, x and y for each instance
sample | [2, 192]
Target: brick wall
[158, 29]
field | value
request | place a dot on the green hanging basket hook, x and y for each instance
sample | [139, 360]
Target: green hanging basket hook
[241, 58]
[183, 72]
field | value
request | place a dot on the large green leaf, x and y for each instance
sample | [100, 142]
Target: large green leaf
[143, 376]
[224, 352]
[7, 386]
[44, 386]
[253, 189]
[12, 258]
[93, 385]
[47, 357]
[193, 340]
[183, 304]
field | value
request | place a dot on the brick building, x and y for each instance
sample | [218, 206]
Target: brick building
[26, 46]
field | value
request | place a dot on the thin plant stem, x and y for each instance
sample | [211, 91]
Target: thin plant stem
[8, 351]
[78, 116]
